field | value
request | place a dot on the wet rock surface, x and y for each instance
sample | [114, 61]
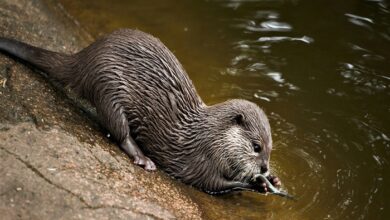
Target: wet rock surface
[55, 161]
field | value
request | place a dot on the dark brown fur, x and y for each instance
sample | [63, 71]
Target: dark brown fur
[144, 97]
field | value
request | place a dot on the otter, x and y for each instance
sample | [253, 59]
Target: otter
[145, 99]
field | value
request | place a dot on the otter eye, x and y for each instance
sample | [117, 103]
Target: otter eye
[256, 147]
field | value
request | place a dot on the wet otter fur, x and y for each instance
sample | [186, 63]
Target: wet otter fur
[145, 99]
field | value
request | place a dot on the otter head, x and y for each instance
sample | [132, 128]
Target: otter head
[243, 147]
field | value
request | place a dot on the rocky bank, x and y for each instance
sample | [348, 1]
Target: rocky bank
[55, 161]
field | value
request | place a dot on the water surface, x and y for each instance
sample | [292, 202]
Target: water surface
[320, 69]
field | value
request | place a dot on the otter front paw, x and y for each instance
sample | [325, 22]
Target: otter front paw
[145, 162]
[275, 181]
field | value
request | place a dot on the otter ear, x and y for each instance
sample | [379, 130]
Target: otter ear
[238, 119]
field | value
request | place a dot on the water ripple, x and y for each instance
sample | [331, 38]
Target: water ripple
[365, 80]
[304, 39]
[267, 26]
[358, 19]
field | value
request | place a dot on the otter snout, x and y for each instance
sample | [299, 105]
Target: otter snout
[264, 170]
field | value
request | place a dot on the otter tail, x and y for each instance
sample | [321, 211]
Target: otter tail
[57, 65]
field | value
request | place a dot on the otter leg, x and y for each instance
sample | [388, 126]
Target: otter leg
[113, 118]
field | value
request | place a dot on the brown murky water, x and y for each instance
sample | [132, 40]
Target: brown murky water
[320, 69]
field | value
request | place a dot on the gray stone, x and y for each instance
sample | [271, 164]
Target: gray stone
[55, 161]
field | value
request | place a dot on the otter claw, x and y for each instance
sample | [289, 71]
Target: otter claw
[150, 166]
[145, 162]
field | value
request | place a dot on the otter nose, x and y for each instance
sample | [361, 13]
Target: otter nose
[263, 169]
